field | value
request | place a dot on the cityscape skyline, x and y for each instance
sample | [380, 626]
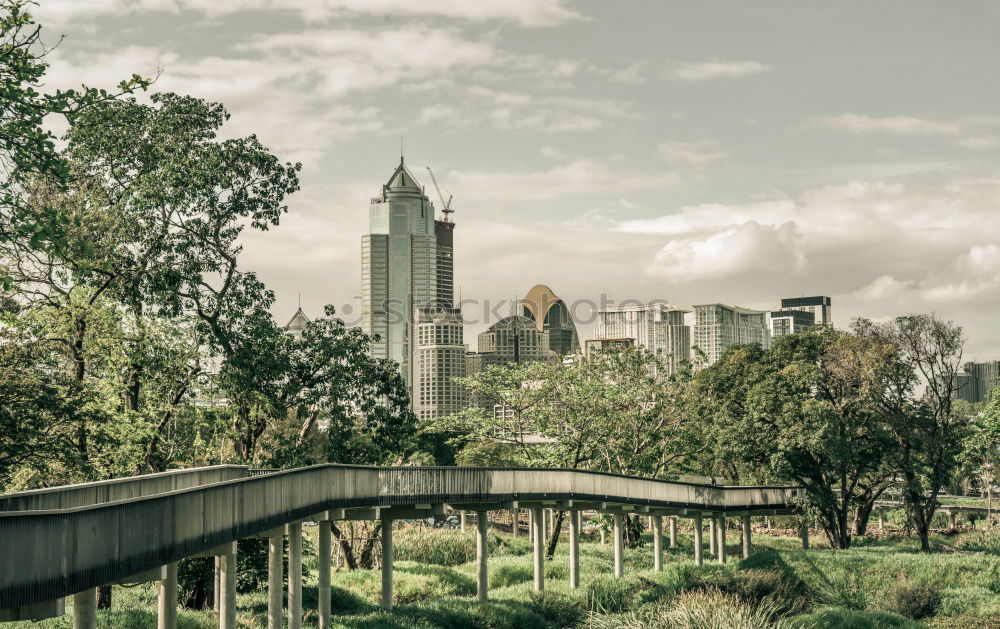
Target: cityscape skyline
[614, 159]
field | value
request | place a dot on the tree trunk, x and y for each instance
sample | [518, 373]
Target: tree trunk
[345, 545]
[104, 597]
[554, 538]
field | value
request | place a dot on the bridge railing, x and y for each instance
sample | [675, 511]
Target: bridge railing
[99, 492]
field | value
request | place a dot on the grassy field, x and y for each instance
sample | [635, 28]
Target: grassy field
[881, 582]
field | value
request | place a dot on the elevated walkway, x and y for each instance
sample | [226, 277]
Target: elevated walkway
[68, 540]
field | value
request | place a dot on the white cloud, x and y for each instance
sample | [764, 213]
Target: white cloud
[579, 177]
[966, 131]
[693, 153]
[708, 70]
[528, 13]
[747, 248]
[859, 124]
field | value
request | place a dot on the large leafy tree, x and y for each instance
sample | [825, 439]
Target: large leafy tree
[802, 411]
[27, 145]
[924, 354]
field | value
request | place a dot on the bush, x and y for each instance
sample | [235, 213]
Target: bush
[700, 609]
[913, 600]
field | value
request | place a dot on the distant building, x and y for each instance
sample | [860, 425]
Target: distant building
[407, 267]
[657, 328]
[551, 315]
[718, 326]
[977, 381]
[818, 306]
[784, 322]
[297, 324]
[439, 359]
[512, 340]
[593, 347]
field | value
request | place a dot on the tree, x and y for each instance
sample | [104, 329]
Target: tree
[981, 450]
[927, 433]
[620, 412]
[27, 146]
[801, 411]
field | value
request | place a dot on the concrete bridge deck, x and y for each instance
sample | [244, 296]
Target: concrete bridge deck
[68, 540]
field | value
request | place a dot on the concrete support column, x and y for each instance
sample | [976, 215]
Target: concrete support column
[482, 574]
[746, 537]
[166, 603]
[951, 520]
[881, 518]
[85, 609]
[712, 534]
[387, 563]
[275, 553]
[657, 522]
[699, 558]
[515, 517]
[804, 532]
[325, 539]
[295, 576]
[552, 522]
[227, 588]
[673, 531]
[574, 549]
[216, 586]
[461, 520]
[538, 551]
[721, 545]
[619, 545]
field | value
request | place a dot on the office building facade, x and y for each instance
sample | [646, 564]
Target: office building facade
[784, 322]
[718, 326]
[407, 271]
[551, 315]
[818, 306]
[658, 328]
[977, 381]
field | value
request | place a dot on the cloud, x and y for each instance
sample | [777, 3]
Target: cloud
[574, 178]
[527, 13]
[966, 131]
[708, 70]
[747, 248]
[859, 124]
[692, 153]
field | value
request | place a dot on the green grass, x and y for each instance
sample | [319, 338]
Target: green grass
[779, 586]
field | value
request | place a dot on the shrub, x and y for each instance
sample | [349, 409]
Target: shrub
[913, 600]
[698, 609]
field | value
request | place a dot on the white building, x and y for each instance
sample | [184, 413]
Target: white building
[658, 328]
[718, 326]
[819, 306]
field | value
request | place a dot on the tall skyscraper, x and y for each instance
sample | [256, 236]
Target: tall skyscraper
[718, 326]
[407, 267]
[658, 328]
[551, 315]
[819, 307]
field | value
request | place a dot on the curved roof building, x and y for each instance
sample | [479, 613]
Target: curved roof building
[551, 315]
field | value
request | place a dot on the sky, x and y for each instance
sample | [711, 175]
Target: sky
[695, 152]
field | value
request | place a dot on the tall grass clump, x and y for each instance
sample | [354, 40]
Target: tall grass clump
[437, 546]
[697, 609]
[914, 600]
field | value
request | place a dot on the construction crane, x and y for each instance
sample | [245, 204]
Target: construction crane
[445, 205]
